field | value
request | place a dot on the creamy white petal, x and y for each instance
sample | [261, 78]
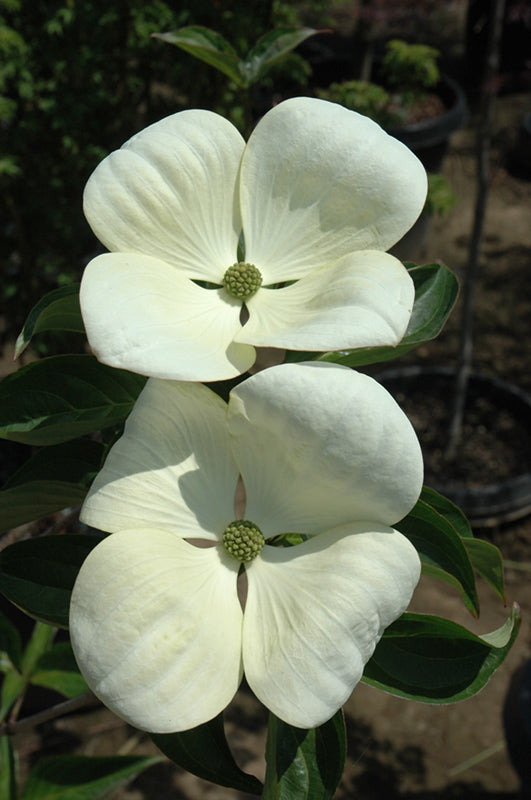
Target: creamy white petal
[142, 315]
[172, 469]
[362, 300]
[315, 613]
[320, 445]
[156, 629]
[318, 182]
[171, 192]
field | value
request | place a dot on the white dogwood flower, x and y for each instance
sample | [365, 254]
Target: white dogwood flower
[315, 198]
[157, 626]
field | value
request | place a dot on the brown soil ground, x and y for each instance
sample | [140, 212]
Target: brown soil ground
[397, 748]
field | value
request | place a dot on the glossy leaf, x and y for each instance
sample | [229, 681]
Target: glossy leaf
[204, 752]
[304, 763]
[434, 660]
[441, 550]
[436, 290]
[269, 49]
[57, 311]
[8, 770]
[38, 575]
[208, 46]
[57, 670]
[83, 777]
[10, 644]
[64, 397]
[485, 558]
[36, 499]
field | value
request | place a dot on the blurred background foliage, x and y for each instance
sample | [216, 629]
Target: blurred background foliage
[77, 78]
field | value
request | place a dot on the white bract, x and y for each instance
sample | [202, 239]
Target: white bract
[157, 626]
[316, 197]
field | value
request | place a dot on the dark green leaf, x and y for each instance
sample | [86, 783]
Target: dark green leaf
[10, 643]
[208, 46]
[15, 683]
[442, 551]
[305, 764]
[8, 770]
[38, 575]
[35, 500]
[434, 660]
[204, 751]
[269, 49]
[74, 462]
[83, 777]
[436, 291]
[64, 397]
[57, 670]
[57, 311]
[485, 558]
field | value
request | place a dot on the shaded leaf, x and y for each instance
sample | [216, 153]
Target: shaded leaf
[8, 771]
[434, 660]
[57, 311]
[37, 499]
[204, 752]
[441, 550]
[10, 643]
[83, 777]
[64, 397]
[57, 669]
[38, 575]
[304, 763]
[76, 461]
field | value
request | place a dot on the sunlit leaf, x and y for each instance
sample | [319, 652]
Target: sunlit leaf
[442, 551]
[304, 763]
[64, 397]
[208, 46]
[436, 289]
[57, 669]
[270, 49]
[434, 660]
[57, 311]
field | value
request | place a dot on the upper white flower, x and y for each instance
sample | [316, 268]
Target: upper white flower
[316, 196]
[157, 627]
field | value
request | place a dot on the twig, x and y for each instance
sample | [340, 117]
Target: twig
[464, 367]
[84, 700]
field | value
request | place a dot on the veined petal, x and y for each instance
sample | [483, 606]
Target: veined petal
[171, 192]
[315, 613]
[362, 300]
[156, 629]
[142, 315]
[319, 182]
[172, 469]
[319, 445]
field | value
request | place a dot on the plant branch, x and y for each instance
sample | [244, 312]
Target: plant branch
[84, 700]
[464, 366]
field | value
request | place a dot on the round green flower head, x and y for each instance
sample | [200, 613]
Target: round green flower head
[242, 280]
[243, 540]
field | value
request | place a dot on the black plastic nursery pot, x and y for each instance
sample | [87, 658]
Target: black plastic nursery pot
[496, 440]
[428, 139]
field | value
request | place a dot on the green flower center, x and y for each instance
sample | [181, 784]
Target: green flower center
[243, 540]
[242, 280]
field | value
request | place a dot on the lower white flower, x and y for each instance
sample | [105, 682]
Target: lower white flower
[157, 626]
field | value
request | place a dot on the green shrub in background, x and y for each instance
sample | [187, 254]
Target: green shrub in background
[76, 79]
